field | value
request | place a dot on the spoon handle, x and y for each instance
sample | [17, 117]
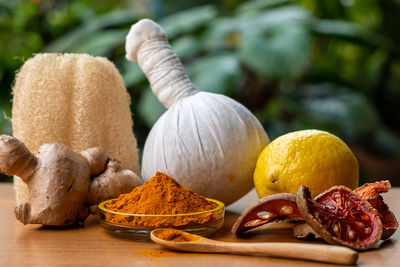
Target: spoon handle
[323, 253]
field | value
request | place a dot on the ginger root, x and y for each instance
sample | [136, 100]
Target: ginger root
[62, 183]
[111, 183]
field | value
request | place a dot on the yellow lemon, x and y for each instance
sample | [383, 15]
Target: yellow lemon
[313, 158]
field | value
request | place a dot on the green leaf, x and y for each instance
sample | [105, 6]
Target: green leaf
[74, 38]
[384, 143]
[351, 32]
[278, 53]
[255, 5]
[5, 121]
[101, 43]
[271, 18]
[340, 109]
[131, 73]
[217, 74]
[150, 109]
[221, 33]
[275, 43]
[186, 46]
[188, 20]
[8, 5]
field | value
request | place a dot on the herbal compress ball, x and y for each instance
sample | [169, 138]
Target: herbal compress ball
[208, 142]
[76, 100]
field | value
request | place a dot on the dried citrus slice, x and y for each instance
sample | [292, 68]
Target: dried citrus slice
[371, 193]
[273, 208]
[304, 231]
[341, 217]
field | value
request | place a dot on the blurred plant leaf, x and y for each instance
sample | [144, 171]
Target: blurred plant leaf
[271, 18]
[186, 46]
[72, 39]
[350, 32]
[221, 33]
[339, 109]
[278, 53]
[5, 127]
[188, 20]
[277, 127]
[255, 5]
[131, 73]
[384, 143]
[229, 32]
[7, 6]
[5, 122]
[150, 109]
[101, 43]
[217, 74]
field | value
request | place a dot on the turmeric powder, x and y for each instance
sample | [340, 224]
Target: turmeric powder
[161, 195]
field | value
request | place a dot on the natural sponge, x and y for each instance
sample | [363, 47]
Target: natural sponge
[76, 100]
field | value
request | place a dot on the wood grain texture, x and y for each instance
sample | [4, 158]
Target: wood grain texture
[304, 251]
[89, 245]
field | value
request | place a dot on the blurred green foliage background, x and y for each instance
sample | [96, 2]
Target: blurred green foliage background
[332, 65]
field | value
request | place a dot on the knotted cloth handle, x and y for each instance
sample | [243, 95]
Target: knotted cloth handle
[147, 43]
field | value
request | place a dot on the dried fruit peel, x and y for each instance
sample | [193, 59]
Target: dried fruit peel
[304, 231]
[337, 209]
[389, 222]
[278, 207]
[76, 100]
[370, 192]
[250, 218]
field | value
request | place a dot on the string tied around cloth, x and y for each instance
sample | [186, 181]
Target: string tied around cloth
[165, 72]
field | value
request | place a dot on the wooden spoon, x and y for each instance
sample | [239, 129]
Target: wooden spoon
[313, 252]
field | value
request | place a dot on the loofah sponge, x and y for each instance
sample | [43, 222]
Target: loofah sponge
[76, 100]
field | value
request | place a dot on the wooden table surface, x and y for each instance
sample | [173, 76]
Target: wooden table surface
[90, 245]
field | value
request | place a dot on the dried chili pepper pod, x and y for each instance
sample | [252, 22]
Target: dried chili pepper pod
[370, 192]
[341, 217]
[273, 208]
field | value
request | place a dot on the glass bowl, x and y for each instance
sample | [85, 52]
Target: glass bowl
[204, 223]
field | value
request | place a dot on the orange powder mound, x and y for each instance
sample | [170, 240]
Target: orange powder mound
[161, 195]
